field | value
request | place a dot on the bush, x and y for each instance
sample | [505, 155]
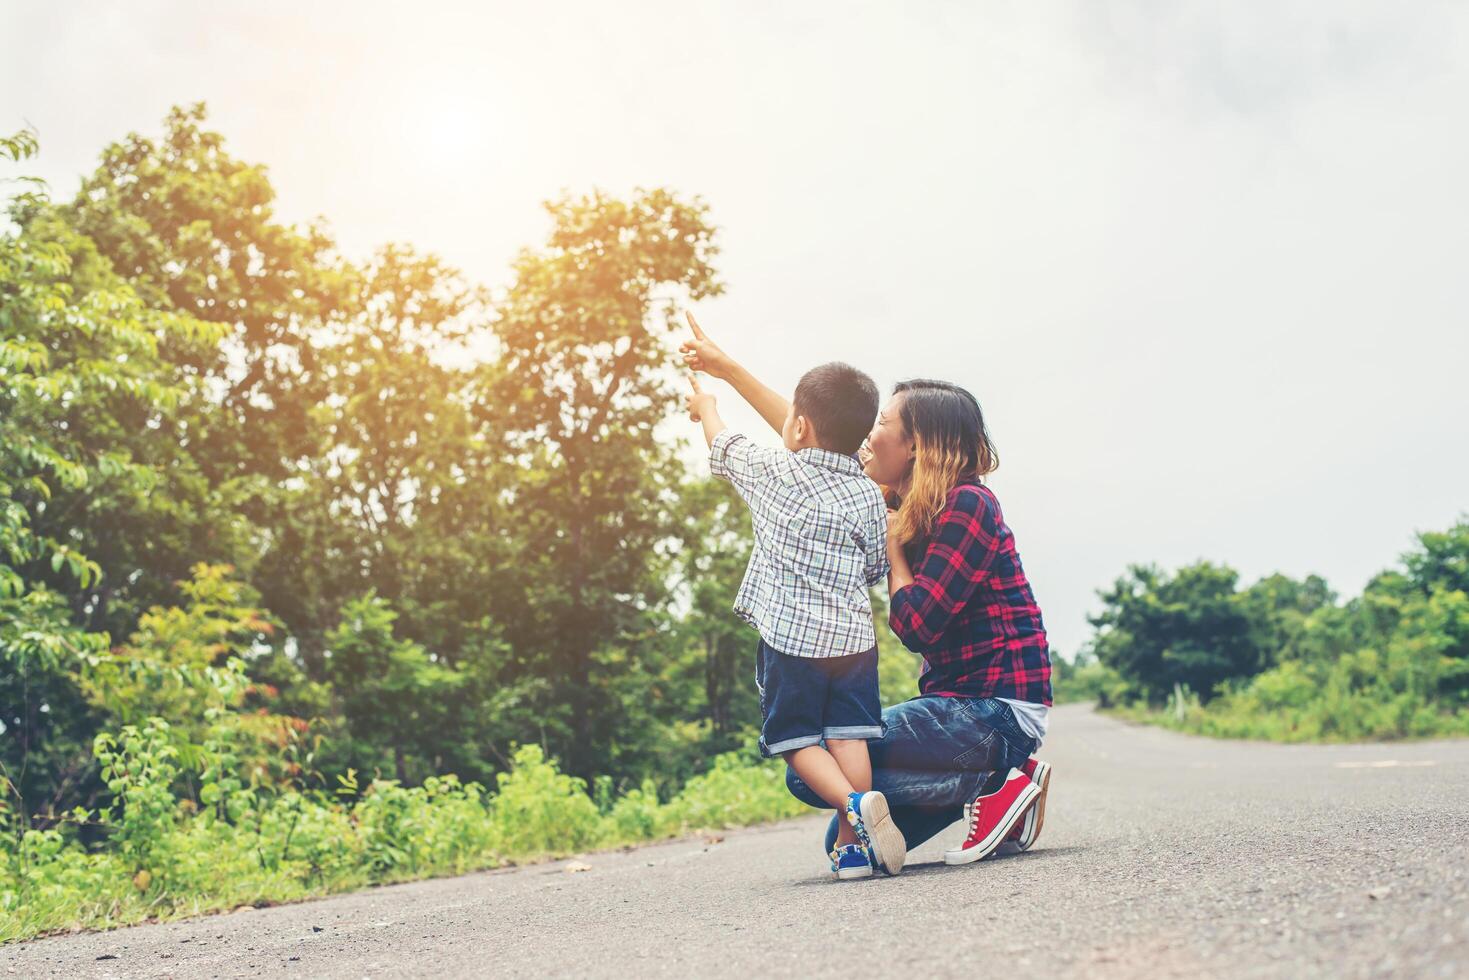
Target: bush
[163, 855]
[541, 811]
[1294, 703]
[733, 793]
[1390, 663]
[1085, 679]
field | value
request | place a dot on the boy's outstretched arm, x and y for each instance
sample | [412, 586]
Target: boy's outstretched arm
[703, 354]
[702, 408]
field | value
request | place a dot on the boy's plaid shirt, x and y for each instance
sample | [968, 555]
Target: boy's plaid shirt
[970, 611]
[820, 543]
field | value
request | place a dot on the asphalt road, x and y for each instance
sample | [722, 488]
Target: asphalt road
[1162, 855]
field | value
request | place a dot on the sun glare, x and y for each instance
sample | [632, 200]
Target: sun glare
[451, 132]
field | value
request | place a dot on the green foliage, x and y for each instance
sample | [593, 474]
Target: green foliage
[1086, 678]
[139, 766]
[715, 541]
[897, 666]
[1391, 663]
[192, 383]
[734, 791]
[184, 663]
[271, 519]
[1190, 628]
[574, 399]
[396, 700]
[193, 229]
[168, 856]
[79, 363]
[538, 810]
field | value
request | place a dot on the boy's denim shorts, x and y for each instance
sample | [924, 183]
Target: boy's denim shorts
[806, 700]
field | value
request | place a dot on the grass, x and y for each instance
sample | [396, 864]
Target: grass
[257, 850]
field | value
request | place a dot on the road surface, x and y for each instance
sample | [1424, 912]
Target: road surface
[1162, 855]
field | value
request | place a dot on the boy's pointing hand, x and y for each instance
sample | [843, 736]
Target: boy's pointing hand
[702, 354]
[700, 401]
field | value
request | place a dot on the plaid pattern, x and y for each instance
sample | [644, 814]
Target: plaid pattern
[820, 543]
[970, 611]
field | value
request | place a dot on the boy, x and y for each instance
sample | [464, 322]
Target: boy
[820, 543]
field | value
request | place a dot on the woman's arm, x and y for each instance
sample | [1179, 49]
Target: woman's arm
[703, 354]
[960, 557]
[900, 573]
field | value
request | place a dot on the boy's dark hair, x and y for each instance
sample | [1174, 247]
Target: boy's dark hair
[841, 402]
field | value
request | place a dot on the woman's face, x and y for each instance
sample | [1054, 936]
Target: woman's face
[890, 448]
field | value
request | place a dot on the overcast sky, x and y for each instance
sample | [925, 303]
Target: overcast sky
[1204, 264]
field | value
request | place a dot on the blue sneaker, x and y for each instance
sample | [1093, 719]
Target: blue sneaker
[869, 817]
[850, 861]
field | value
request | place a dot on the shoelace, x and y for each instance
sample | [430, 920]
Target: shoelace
[971, 817]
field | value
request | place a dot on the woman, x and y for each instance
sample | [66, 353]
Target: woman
[958, 597]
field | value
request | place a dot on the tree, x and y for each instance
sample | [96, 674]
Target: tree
[714, 550]
[1441, 559]
[192, 232]
[192, 383]
[399, 492]
[1189, 628]
[1438, 572]
[78, 359]
[193, 229]
[184, 664]
[1280, 607]
[581, 383]
[397, 700]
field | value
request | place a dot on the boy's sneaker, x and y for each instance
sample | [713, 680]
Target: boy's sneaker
[992, 817]
[869, 817]
[850, 861]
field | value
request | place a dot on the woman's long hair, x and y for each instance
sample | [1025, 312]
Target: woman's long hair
[951, 446]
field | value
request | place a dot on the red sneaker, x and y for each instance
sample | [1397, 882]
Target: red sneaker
[1029, 827]
[992, 817]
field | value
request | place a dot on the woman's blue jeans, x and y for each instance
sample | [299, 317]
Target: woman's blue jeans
[938, 754]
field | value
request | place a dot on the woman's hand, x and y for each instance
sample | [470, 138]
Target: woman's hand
[900, 573]
[703, 354]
